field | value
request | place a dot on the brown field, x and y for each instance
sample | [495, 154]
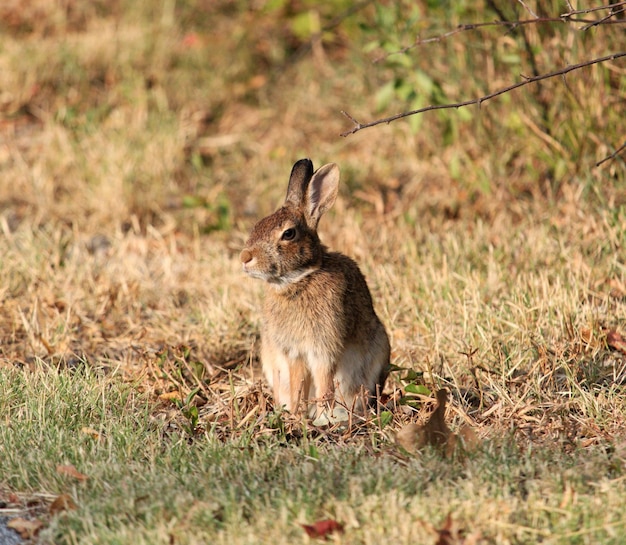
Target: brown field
[140, 141]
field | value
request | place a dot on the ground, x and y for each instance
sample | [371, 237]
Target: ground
[140, 141]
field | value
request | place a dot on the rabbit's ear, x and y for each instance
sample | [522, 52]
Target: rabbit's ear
[322, 192]
[298, 181]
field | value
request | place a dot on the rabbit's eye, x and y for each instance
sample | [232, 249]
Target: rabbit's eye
[288, 234]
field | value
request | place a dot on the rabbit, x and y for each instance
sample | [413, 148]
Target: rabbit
[321, 339]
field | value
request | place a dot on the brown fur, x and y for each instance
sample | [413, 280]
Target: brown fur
[319, 326]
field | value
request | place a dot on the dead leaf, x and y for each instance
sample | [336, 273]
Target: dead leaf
[615, 341]
[64, 502]
[446, 534]
[26, 528]
[322, 528]
[569, 496]
[410, 437]
[618, 289]
[452, 446]
[258, 81]
[69, 470]
[171, 396]
[436, 431]
[190, 41]
[469, 438]
[451, 534]
[91, 432]
[437, 434]
[586, 335]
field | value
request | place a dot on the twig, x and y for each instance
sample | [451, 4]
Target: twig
[532, 59]
[604, 19]
[590, 10]
[528, 9]
[613, 155]
[471, 26]
[568, 17]
[478, 101]
[336, 21]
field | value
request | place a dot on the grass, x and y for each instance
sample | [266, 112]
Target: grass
[139, 141]
[148, 483]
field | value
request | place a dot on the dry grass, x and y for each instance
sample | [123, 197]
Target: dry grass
[138, 144]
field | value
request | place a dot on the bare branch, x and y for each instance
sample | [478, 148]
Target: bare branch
[604, 19]
[467, 27]
[572, 16]
[590, 10]
[478, 101]
[613, 155]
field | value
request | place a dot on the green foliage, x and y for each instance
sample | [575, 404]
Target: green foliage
[219, 211]
[190, 412]
[451, 68]
[413, 387]
[384, 419]
[395, 25]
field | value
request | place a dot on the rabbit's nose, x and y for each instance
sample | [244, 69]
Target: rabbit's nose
[245, 256]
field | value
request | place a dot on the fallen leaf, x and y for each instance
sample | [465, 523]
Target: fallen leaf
[469, 438]
[451, 534]
[410, 437]
[588, 442]
[69, 470]
[569, 496]
[436, 431]
[171, 396]
[437, 434]
[64, 502]
[447, 534]
[615, 341]
[619, 446]
[26, 528]
[190, 40]
[91, 432]
[322, 528]
[586, 335]
[452, 446]
[258, 81]
[618, 289]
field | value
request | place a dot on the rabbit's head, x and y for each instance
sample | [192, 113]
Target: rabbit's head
[284, 247]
